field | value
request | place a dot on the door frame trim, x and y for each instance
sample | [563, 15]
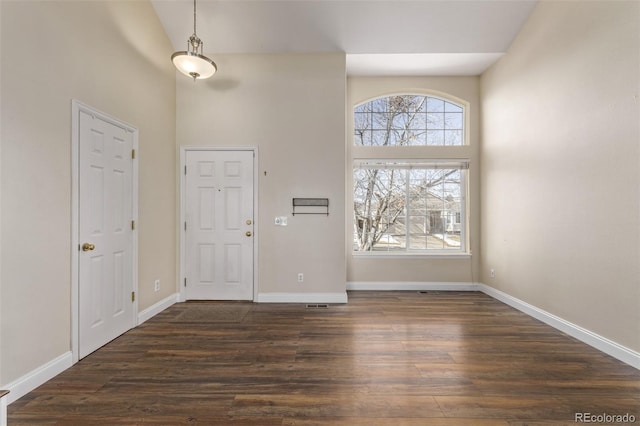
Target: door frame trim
[182, 211]
[76, 108]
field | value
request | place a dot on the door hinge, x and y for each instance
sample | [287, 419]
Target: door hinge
[185, 226]
[185, 281]
[133, 296]
[185, 170]
[133, 225]
[133, 154]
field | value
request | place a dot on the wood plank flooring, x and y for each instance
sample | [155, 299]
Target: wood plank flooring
[386, 358]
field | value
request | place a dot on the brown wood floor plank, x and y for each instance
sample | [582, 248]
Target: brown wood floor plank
[399, 358]
[395, 421]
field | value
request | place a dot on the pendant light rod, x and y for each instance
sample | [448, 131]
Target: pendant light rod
[194, 17]
[192, 61]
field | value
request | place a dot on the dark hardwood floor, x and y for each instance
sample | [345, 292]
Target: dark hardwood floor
[397, 358]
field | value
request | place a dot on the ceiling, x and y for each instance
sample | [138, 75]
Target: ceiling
[380, 37]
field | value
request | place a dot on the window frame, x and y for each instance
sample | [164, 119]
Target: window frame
[441, 154]
[456, 103]
[418, 164]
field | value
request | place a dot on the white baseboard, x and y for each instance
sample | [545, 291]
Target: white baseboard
[603, 344]
[411, 285]
[302, 297]
[155, 309]
[25, 384]
[3, 410]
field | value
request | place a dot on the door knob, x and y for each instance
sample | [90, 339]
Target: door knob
[88, 247]
[248, 233]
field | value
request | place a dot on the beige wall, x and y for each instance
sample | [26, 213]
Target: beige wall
[292, 108]
[432, 268]
[560, 163]
[113, 56]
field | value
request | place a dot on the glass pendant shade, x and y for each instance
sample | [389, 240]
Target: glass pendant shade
[193, 64]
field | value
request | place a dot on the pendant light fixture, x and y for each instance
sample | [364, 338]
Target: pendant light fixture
[192, 62]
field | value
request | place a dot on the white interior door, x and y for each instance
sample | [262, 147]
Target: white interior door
[219, 225]
[106, 273]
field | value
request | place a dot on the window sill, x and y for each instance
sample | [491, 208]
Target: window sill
[409, 255]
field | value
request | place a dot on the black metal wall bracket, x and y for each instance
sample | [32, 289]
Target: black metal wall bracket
[310, 206]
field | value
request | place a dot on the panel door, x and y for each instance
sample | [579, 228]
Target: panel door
[105, 233]
[219, 225]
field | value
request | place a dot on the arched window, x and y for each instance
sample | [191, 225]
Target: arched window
[408, 120]
[409, 205]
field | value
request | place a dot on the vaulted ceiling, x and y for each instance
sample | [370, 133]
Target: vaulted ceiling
[380, 37]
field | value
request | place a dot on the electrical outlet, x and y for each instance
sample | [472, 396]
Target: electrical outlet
[300, 277]
[156, 285]
[492, 273]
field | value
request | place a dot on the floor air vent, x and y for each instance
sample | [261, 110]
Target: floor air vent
[317, 306]
[428, 292]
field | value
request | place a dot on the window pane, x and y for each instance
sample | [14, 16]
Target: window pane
[384, 222]
[435, 137]
[410, 137]
[397, 236]
[360, 108]
[453, 120]
[379, 203]
[418, 241]
[380, 137]
[378, 105]
[449, 107]
[381, 120]
[435, 121]
[362, 137]
[419, 121]
[400, 121]
[362, 120]
[382, 243]
[435, 105]
[452, 227]
[405, 103]
[453, 137]
[435, 243]
[405, 120]
[362, 127]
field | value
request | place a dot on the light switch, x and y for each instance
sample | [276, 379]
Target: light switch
[281, 221]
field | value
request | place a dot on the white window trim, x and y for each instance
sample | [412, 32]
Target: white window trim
[411, 254]
[463, 165]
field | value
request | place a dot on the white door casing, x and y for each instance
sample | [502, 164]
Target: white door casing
[219, 225]
[105, 239]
